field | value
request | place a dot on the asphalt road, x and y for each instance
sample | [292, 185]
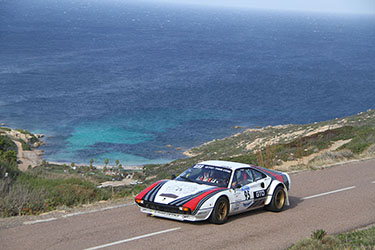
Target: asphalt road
[335, 199]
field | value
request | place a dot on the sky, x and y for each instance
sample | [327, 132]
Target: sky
[334, 6]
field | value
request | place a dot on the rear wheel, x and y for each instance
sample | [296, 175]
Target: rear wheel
[220, 213]
[278, 200]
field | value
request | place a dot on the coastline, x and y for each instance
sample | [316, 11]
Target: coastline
[125, 167]
[248, 140]
[30, 157]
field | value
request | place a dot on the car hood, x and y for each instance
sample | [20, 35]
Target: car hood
[174, 190]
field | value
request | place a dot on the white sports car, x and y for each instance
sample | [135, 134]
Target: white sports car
[215, 190]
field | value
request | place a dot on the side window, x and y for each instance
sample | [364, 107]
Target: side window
[250, 177]
[258, 175]
[242, 177]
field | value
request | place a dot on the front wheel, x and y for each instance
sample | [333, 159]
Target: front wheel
[278, 200]
[220, 213]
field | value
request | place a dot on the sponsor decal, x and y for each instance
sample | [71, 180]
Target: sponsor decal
[259, 194]
[212, 167]
[248, 204]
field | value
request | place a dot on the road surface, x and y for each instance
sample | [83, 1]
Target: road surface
[335, 199]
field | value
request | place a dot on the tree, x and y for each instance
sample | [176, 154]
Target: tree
[117, 162]
[106, 161]
[91, 162]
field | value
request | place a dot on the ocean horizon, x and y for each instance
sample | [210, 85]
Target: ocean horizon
[143, 82]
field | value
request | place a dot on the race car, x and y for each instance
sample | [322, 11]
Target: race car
[215, 190]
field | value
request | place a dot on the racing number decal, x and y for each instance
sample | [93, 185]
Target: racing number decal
[259, 194]
[247, 194]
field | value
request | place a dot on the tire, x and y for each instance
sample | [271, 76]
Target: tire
[278, 200]
[219, 214]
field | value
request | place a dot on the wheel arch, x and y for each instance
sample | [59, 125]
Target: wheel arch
[272, 188]
[216, 199]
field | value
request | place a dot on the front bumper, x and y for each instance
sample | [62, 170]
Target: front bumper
[199, 216]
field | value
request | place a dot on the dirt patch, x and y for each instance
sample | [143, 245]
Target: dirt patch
[285, 166]
[27, 158]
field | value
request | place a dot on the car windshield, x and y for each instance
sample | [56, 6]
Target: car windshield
[204, 174]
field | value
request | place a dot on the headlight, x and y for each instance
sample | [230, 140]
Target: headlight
[185, 209]
[139, 201]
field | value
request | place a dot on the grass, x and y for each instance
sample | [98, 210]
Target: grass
[272, 146]
[48, 186]
[273, 155]
[360, 239]
[27, 193]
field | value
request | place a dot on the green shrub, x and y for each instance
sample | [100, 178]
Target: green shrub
[21, 199]
[28, 193]
[6, 144]
[318, 234]
[363, 137]
[363, 239]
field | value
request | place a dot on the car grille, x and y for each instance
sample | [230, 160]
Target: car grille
[162, 207]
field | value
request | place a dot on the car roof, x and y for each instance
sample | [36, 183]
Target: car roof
[225, 164]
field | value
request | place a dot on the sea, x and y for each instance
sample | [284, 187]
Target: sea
[142, 81]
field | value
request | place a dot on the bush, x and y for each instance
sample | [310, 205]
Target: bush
[332, 157]
[7, 144]
[363, 239]
[21, 199]
[9, 169]
[28, 193]
[363, 138]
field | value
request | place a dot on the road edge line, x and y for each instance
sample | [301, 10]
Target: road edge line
[78, 213]
[133, 238]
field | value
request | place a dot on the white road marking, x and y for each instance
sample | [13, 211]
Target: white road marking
[78, 213]
[330, 192]
[134, 238]
[38, 221]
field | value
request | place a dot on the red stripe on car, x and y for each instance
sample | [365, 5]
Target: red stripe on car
[277, 176]
[145, 191]
[193, 202]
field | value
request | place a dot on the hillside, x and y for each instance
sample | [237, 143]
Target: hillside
[29, 185]
[286, 147]
[45, 187]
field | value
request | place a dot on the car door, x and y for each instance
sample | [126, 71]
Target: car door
[259, 187]
[244, 189]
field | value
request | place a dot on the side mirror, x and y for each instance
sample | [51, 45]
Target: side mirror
[237, 186]
[173, 176]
